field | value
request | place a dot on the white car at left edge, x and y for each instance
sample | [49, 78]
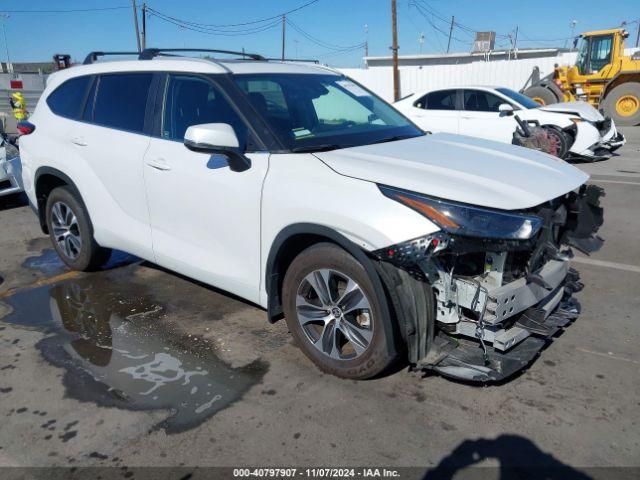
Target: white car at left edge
[578, 129]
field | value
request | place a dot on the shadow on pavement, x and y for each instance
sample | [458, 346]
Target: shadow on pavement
[518, 458]
[14, 200]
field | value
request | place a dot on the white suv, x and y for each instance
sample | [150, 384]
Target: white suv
[297, 189]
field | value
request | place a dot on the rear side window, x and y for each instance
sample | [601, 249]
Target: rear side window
[442, 100]
[68, 99]
[121, 101]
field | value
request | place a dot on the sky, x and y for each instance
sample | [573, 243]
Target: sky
[333, 31]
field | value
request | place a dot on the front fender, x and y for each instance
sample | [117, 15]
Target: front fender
[301, 189]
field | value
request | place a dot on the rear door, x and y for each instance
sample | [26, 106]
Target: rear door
[111, 139]
[205, 218]
[480, 117]
[437, 111]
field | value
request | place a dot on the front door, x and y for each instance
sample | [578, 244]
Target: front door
[205, 219]
[480, 117]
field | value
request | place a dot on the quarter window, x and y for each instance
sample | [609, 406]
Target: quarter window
[121, 101]
[193, 101]
[68, 99]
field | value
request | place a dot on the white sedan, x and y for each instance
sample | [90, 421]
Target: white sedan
[10, 169]
[576, 130]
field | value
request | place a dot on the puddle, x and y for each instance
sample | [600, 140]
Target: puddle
[49, 263]
[107, 331]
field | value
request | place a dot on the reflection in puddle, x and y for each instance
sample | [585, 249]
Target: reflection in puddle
[107, 332]
[50, 263]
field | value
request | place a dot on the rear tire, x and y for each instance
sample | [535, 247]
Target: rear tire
[622, 104]
[541, 95]
[71, 231]
[346, 335]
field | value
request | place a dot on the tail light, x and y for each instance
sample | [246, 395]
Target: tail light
[25, 128]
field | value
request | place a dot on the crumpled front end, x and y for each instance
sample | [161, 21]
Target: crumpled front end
[498, 302]
[597, 140]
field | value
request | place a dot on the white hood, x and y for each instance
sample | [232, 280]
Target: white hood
[580, 109]
[459, 168]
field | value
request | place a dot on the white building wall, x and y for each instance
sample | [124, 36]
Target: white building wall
[506, 73]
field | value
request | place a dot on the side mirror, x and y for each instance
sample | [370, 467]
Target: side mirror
[217, 138]
[505, 109]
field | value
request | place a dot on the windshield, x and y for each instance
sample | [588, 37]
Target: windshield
[581, 60]
[310, 112]
[523, 100]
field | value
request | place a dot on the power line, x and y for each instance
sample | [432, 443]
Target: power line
[74, 10]
[228, 25]
[214, 31]
[322, 43]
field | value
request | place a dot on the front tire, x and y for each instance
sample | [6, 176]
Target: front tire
[560, 140]
[334, 314]
[71, 231]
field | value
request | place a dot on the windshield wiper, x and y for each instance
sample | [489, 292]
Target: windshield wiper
[319, 148]
[393, 139]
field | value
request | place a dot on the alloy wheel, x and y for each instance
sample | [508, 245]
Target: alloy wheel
[66, 230]
[335, 314]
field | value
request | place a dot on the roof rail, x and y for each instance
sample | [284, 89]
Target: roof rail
[149, 53]
[301, 60]
[93, 56]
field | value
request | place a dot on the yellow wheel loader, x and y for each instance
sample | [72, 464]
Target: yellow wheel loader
[603, 76]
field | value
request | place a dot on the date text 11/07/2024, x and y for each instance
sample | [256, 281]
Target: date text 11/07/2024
[316, 472]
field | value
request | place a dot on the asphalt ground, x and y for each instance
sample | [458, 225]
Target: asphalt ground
[136, 367]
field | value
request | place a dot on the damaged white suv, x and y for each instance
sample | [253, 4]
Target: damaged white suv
[297, 189]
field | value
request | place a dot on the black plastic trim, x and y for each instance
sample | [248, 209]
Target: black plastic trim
[274, 305]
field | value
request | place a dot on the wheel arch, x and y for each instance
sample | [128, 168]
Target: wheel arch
[290, 242]
[619, 79]
[46, 179]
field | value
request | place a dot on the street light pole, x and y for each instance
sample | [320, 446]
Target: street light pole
[5, 16]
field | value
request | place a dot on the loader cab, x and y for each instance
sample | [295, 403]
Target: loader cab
[598, 49]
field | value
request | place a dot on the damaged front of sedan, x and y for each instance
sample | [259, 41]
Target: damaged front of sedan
[478, 298]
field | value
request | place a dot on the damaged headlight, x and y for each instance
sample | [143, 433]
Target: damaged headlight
[467, 220]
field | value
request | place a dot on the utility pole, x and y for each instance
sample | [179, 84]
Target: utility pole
[284, 21]
[573, 28]
[5, 17]
[453, 19]
[394, 48]
[135, 23]
[366, 39]
[144, 26]
[515, 44]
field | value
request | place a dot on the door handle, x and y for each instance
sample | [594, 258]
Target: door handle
[466, 117]
[81, 142]
[159, 164]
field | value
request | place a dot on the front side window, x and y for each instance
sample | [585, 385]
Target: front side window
[481, 101]
[68, 99]
[310, 111]
[190, 100]
[121, 101]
